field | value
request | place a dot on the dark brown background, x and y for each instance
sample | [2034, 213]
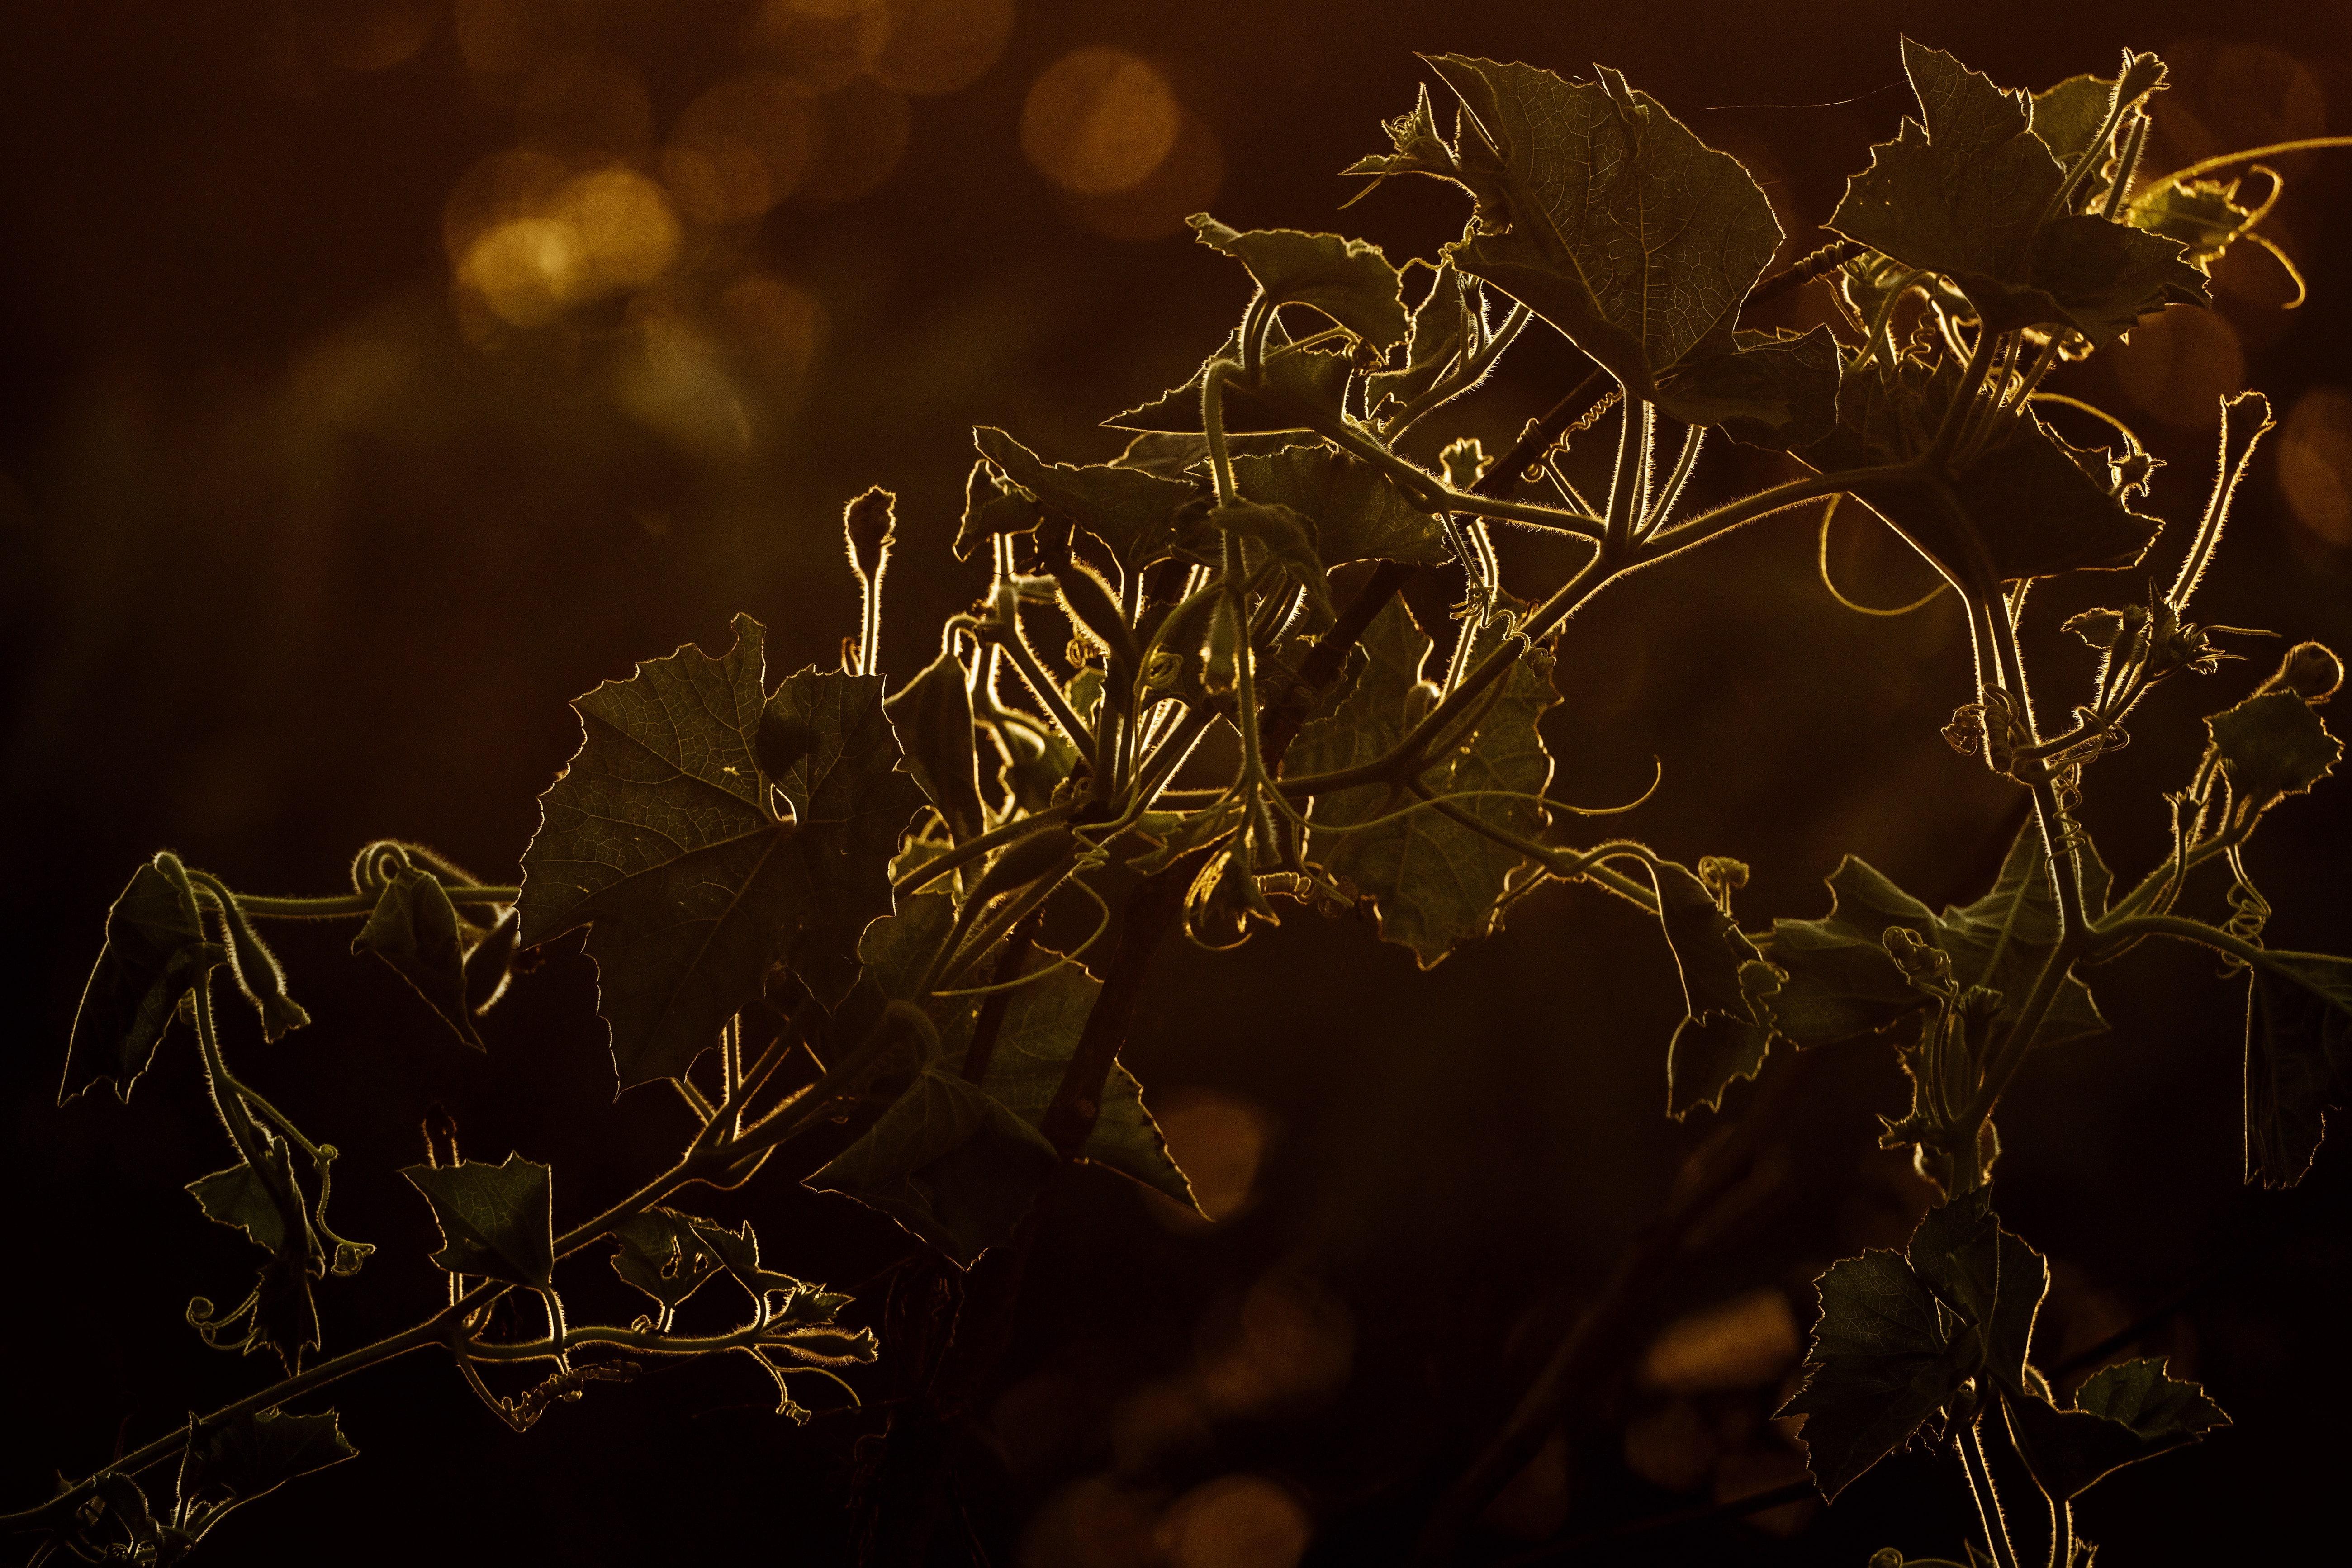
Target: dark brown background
[286, 561]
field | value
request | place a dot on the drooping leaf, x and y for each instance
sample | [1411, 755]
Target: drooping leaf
[1133, 512]
[663, 835]
[1310, 380]
[948, 1162]
[2125, 1412]
[2035, 504]
[1358, 515]
[415, 929]
[1441, 327]
[238, 1459]
[1034, 1041]
[155, 952]
[2271, 746]
[1899, 1332]
[1966, 190]
[498, 1220]
[2298, 1060]
[781, 1296]
[661, 1254]
[1436, 882]
[1347, 279]
[932, 716]
[2202, 215]
[1596, 208]
[994, 505]
[1776, 390]
[265, 1204]
[1708, 1054]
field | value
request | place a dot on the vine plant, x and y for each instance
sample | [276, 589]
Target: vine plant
[829, 896]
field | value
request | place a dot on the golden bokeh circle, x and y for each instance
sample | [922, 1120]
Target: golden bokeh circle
[1099, 121]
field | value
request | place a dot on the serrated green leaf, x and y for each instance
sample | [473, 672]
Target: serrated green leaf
[2203, 216]
[1347, 279]
[1358, 515]
[156, 953]
[415, 929]
[948, 1162]
[1900, 1332]
[1596, 209]
[1775, 390]
[2298, 1060]
[241, 1458]
[1133, 512]
[1720, 1039]
[2271, 746]
[661, 1254]
[2002, 939]
[1309, 379]
[1879, 1365]
[1034, 1042]
[662, 835]
[2065, 116]
[1966, 190]
[2123, 1414]
[1436, 882]
[498, 1220]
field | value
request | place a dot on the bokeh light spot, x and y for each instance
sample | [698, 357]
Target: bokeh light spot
[624, 229]
[2314, 463]
[1744, 1342]
[381, 35]
[925, 46]
[740, 148]
[2180, 364]
[1237, 1521]
[1293, 1341]
[779, 327]
[1186, 182]
[506, 185]
[1099, 121]
[526, 270]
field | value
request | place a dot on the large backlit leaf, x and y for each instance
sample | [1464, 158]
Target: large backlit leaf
[240, 1458]
[155, 952]
[665, 834]
[948, 1162]
[2298, 1060]
[932, 716]
[1347, 279]
[1034, 1042]
[1133, 512]
[1436, 882]
[1358, 515]
[2272, 745]
[1720, 1039]
[1596, 208]
[1294, 385]
[1966, 190]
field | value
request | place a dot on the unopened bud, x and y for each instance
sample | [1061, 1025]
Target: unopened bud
[2311, 670]
[869, 523]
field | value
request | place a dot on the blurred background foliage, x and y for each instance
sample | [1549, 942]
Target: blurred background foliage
[381, 374]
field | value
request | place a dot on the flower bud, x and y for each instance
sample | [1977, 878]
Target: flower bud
[869, 523]
[2311, 670]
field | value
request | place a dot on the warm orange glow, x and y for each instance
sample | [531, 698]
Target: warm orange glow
[742, 147]
[2314, 463]
[1218, 1141]
[1186, 182]
[1099, 121]
[925, 46]
[1236, 1522]
[2178, 365]
[1293, 1341]
[862, 134]
[1746, 1342]
[594, 236]
[584, 109]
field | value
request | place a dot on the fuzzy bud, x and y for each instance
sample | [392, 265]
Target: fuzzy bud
[869, 523]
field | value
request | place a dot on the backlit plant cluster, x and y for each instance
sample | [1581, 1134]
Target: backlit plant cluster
[830, 895]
